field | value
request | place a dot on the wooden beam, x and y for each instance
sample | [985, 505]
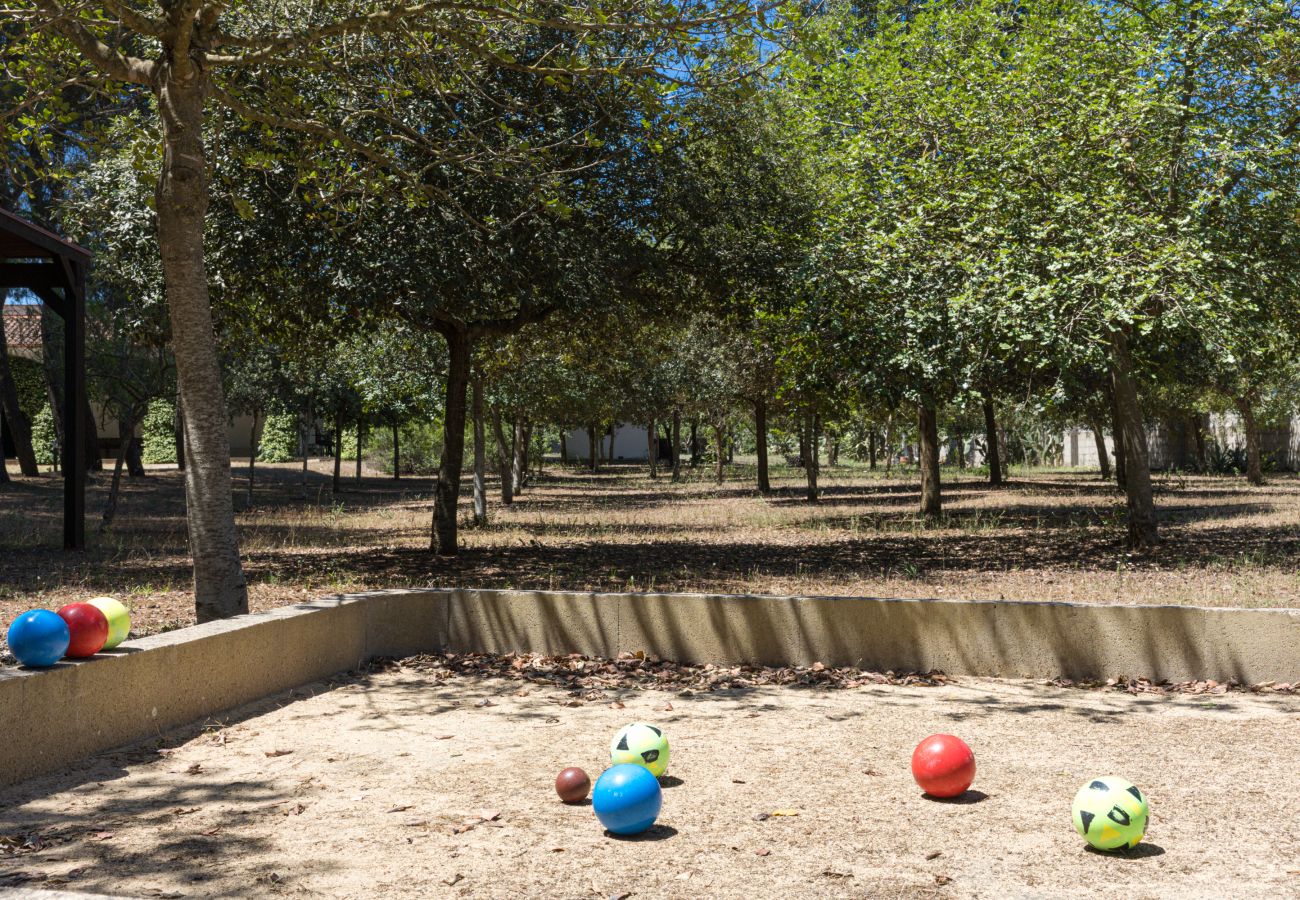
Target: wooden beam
[33, 276]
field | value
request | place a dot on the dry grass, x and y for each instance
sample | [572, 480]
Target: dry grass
[1045, 537]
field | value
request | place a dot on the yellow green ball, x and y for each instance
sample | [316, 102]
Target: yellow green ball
[119, 620]
[643, 745]
[1110, 813]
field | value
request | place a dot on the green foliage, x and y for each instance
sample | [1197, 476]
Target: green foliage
[419, 446]
[44, 435]
[280, 440]
[30, 382]
[159, 433]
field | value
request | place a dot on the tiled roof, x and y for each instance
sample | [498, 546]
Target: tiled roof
[22, 327]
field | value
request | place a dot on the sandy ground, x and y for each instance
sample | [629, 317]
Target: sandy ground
[364, 787]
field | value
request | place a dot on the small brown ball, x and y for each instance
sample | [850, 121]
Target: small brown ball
[572, 785]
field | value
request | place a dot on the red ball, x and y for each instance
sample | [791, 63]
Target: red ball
[572, 785]
[89, 629]
[943, 765]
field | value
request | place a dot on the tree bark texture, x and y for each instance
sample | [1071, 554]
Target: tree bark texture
[677, 445]
[719, 432]
[760, 445]
[252, 461]
[1117, 437]
[125, 435]
[480, 457]
[220, 589]
[504, 454]
[564, 448]
[178, 435]
[928, 432]
[1103, 458]
[652, 448]
[992, 451]
[447, 492]
[1254, 464]
[397, 456]
[811, 457]
[519, 465]
[593, 449]
[337, 486]
[1143, 531]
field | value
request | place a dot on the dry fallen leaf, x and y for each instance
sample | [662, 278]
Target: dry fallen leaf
[667, 707]
[617, 704]
[762, 817]
[296, 810]
[763, 852]
[194, 769]
[489, 815]
[402, 808]
[274, 753]
[444, 737]
[103, 835]
[935, 855]
[785, 812]
[736, 781]
[454, 880]
[941, 880]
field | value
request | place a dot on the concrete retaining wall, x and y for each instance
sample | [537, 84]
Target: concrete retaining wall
[51, 718]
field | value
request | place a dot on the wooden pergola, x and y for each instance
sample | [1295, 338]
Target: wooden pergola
[55, 271]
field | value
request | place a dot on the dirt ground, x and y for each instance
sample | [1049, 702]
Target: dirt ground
[415, 781]
[1045, 536]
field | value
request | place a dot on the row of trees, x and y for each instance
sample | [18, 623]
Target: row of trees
[852, 220]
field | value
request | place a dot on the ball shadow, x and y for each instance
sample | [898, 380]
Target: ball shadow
[1141, 851]
[670, 781]
[585, 801]
[963, 799]
[654, 833]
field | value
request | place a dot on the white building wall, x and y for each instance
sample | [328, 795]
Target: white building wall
[629, 443]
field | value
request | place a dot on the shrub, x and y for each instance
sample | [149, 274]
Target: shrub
[44, 436]
[421, 449]
[280, 438]
[159, 433]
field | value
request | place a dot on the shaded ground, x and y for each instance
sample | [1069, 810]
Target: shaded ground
[419, 781]
[1045, 537]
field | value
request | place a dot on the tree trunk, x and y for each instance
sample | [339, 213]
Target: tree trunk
[1198, 433]
[719, 431]
[337, 487]
[1142, 528]
[961, 450]
[480, 456]
[871, 447]
[1254, 466]
[677, 445]
[889, 444]
[1103, 457]
[20, 429]
[134, 457]
[833, 451]
[305, 442]
[1117, 436]
[613, 430]
[397, 455]
[519, 466]
[652, 448]
[695, 447]
[4, 431]
[447, 493]
[811, 457]
[992, 450]
[504, 454]
[928, 434]
[220, 589]
[252, 462]
[528, 451]
[593, 449]
[125, 435]
[760, 445]
[564, 448]
[178, 435]
[361, 433]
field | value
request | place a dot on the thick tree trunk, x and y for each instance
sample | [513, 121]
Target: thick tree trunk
[447, 492]
[652, 448]
[564, 448]
[20, 430]
[519, 465]
[337, 487]
[992, 452]
[811, 456]
[760, 445]
[528, 455]
[677, 445]
[1117, 437]
[134, 456]
[504, 454]
[1254, 465]
[833, 451]
[125, 436]
[871, 447]
[695, 444]
[480, 457]
[593, 449]
[397, 455]
[928, 431]
[719, 438]
[220, 589]
[1143, 531]
[613, 431]
[1099, 437]
[252, 461]
[961, 450]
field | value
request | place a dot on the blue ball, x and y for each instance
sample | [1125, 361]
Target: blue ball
[39, 638]
[627, 798]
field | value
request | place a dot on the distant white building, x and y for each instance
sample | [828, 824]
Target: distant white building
[1174, 446]
[626, 443]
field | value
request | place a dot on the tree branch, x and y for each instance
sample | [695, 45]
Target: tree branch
[112, 62]
[182, 24]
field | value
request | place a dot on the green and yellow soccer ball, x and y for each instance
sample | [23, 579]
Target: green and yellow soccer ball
[1110, 813]
[643, 745]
